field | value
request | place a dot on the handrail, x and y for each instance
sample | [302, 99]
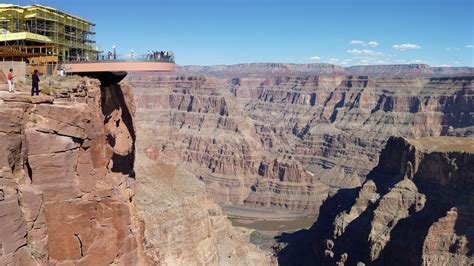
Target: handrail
[118, 61]
[122, 58]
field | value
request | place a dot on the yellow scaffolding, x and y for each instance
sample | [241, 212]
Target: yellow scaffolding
[63, 37]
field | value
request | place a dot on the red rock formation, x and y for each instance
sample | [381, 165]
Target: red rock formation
[65, 193]
[414, 209]
[182, 225]
[282, 141]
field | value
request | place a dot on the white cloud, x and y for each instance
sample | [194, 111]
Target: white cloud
[357, 42]
[469, 46]
[457, 62]
[354, 51]
[316, 58]
[405, 46]
[444, 65]
[363, 52]
[373, 44]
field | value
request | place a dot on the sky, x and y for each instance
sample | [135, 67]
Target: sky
[341, 32]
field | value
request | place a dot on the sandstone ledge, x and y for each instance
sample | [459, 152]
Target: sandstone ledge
[42, 99]
[444, 144]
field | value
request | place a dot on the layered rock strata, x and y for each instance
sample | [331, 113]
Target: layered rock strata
[67, 193]
[181, 224]
[416, 208]
[285, 142]
[323, 69]
[66, 170]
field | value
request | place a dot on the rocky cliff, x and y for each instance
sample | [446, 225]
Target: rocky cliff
[66, 170]
[181, 224]
[263, 69]
[322, 69]
[72, 191]
[286, 141]
[415, 208]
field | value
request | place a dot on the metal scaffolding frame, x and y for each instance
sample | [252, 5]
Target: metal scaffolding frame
[44, 37]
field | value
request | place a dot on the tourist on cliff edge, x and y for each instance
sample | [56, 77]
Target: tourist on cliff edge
[10, 80]
[35, 83]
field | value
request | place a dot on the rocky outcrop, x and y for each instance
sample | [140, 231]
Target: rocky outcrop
[287, 141]
[71, 192]
[181, 224]
[414, 209]
[66, 170]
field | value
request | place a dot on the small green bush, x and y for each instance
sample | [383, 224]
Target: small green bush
[49, 91]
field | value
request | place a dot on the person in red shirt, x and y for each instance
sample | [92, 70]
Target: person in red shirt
[10, 81]
[35, 83]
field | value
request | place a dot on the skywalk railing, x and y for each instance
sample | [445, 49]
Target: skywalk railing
[166, 58]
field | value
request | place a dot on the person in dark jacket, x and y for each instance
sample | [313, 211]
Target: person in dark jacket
[35, 83]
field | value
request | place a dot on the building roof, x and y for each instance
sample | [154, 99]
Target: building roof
[29, 36]
[50, 9]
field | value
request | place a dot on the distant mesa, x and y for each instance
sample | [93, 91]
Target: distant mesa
[282, 69]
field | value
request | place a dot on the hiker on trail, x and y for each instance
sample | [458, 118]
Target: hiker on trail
[35, 83]
[10, 81]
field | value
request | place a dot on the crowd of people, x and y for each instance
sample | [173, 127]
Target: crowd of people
[160, 56]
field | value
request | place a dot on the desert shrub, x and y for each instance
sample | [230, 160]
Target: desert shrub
[49, 91]
[27, 99]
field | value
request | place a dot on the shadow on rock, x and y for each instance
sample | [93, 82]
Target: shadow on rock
[297, 248]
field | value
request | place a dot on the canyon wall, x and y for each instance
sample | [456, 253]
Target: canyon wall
[288, 141]
[66, 173]
[323, 69]
[415, 208]
[72, 191]
[182, 225]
